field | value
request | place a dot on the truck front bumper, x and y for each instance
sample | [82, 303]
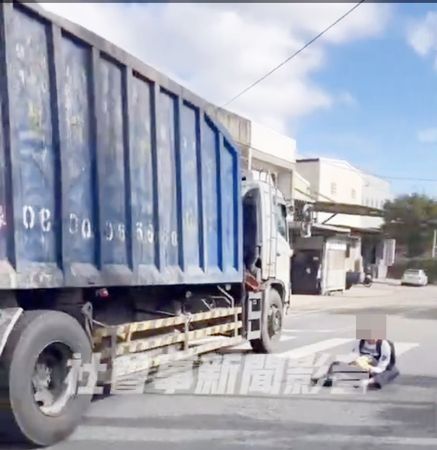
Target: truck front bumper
[8, 318]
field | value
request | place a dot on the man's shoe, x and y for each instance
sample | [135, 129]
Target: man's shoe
[314, 381]
[328, 382]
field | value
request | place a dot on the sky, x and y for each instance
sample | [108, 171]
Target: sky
[365, 92]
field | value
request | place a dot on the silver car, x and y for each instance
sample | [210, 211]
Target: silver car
[414, 277]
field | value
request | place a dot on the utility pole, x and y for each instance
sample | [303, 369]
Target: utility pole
[434, 244]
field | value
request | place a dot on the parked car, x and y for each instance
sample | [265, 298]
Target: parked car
[414, 277]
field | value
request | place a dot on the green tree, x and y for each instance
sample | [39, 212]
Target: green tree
[411, 219]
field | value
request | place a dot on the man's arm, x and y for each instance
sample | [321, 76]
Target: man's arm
[384, 360]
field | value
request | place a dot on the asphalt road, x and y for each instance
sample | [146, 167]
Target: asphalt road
[253, 414]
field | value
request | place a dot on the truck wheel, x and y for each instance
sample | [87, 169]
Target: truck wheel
[272, 324]
[40, 404]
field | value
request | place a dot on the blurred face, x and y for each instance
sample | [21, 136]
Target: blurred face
[370, 327]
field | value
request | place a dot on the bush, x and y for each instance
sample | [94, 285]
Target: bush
[428, 265]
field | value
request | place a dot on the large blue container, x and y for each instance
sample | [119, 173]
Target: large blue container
[110, 173]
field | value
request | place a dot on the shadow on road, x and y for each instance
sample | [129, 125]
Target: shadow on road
[412, 416]
[421, 381]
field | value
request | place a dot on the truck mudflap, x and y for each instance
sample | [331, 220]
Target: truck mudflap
[8, 318]
[254, 315]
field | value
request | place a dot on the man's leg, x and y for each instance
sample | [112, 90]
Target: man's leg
[328, 380]
[379, 380]
[327, 375]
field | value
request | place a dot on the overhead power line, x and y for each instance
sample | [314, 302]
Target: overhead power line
[314, 39]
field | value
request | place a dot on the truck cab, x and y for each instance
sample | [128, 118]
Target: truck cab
[267, 252]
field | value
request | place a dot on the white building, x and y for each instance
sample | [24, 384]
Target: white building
[376, 192]
[301, 188]
[263, 149]
[338, 181]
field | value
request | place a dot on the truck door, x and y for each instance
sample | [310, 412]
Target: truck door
[283, 250]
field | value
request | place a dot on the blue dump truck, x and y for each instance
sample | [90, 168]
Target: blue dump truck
[127, 229]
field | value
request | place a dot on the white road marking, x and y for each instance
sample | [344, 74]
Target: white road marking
[311, 349]
[372, 441]
[404, 347]
[135, 434]
[312, 330]
[246, 345]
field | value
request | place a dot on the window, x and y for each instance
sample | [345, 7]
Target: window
[333, 188]
[354, 194]
[281, 220]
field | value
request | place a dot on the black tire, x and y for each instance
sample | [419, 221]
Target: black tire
[270, 329]
[41, 334]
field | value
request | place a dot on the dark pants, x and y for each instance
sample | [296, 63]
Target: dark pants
[381, 379]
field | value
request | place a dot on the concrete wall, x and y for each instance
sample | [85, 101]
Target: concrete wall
[335, 181]
[376, 192]
[338, 181]
[310, 171]
[239, 128]
[354, 262]
[262, 149]
[302, 188]
[273, 147]
[342, 183]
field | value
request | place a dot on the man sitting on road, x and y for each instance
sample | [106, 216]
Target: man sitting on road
[377, 357]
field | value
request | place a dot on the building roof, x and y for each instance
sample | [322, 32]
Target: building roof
[303, 160]
[361, 231]
[333, 162]
[347, 208]
[331, 228]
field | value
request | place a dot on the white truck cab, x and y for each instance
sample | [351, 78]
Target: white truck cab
[265, 221]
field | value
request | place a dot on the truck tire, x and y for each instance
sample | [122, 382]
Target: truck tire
[40, 404]
[271, 326]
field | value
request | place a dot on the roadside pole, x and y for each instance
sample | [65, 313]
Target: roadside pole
[434, 244]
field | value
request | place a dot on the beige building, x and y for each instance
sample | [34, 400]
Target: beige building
[376, 192]
[338, 181]
[333, 181]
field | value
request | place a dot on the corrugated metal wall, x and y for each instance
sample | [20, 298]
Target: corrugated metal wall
[111, 174]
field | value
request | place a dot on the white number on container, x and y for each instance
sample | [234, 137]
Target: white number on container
[74, 223]
[150, 233]
[86, 229]
[109, 232]
[139, 230]
[28, 217]
[46, 223]
[121, 232]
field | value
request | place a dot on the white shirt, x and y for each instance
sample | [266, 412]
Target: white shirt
[370, 349]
